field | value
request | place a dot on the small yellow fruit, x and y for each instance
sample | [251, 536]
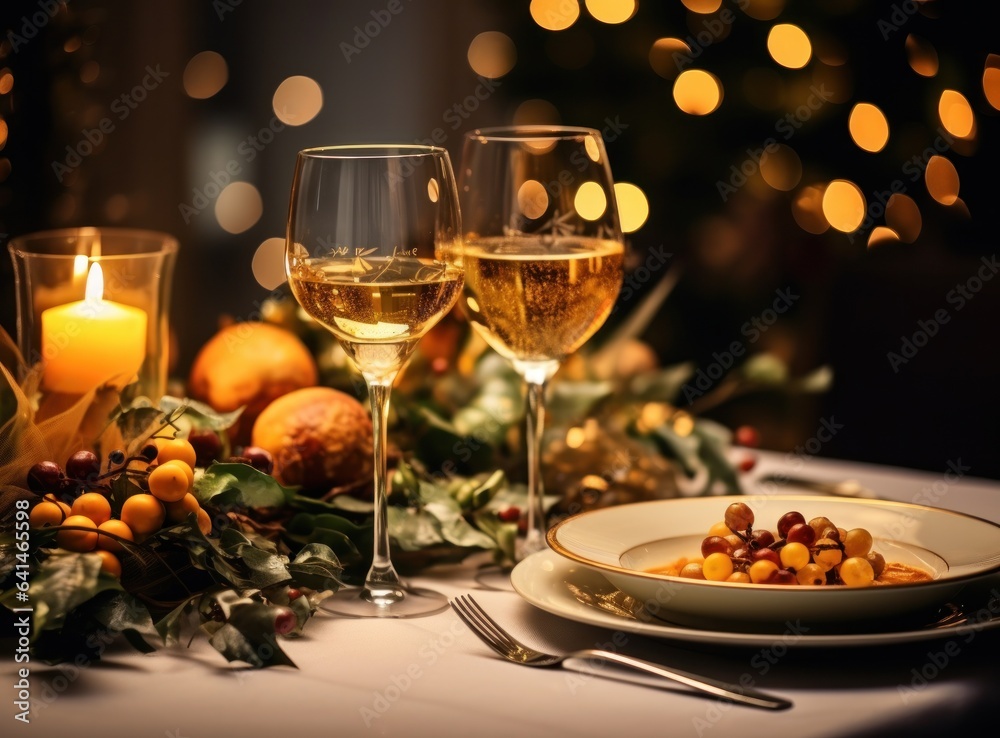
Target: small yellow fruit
[177, 512]
[78, 540]
[144, 514]
[761, 570]
[93, 505]
[204, 522]
[170, 449]
[183, 466]
[110, 563]
[47, 514]
[56, 501]
[169, 482]
[115, 527]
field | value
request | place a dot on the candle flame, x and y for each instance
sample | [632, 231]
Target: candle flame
[95, 284]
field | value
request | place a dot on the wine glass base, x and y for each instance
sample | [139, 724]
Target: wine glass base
[356, 602]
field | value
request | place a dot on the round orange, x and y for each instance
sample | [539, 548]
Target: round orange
[169, 482]
[78, 540]
[204, 522]
[169, 449]
[110, 563]
[144, 514]
[177, 512]
[93, 505]
[47, 514]
[115, 527]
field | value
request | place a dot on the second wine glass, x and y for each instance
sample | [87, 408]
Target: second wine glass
[373, 253]
[544, 258]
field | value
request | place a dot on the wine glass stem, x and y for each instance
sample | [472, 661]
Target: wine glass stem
[535, 536]
[382, 584]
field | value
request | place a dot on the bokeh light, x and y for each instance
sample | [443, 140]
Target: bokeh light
[239, 207]
[764, 10]
[807, 209]
[536, 112]
[205, 75]
[868, 127]
[781, 167]
[89, 72]
[433, 189]
[633, 206]
[882, 236]
[3, 133]
[6, 81]
[702, 6]
[789, 46]
[903, 216]
[611, 11]
[662, 56]
[843, 205]
[532, 199]
[116, 208]
[590, 201]
[991, 80]
[921, 55]
[593, 150]
[697, 92]
[269, 263]
[492, 54]
[956, 114]
[941, 179]
[555, 15]
[297, 100]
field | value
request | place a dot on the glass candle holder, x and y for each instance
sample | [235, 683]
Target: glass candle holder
[93, 308]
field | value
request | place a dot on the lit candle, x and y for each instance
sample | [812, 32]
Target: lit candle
[92, 342]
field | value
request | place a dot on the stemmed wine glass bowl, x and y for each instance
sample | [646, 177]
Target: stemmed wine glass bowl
[544, 258]
[373, 253]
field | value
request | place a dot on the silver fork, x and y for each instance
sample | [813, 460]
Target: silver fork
[511, 649]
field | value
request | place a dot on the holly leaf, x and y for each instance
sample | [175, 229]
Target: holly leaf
[316, 566]
[663, 385]
[248, 636]
[121, 612]
[240, 485]
[200, 414]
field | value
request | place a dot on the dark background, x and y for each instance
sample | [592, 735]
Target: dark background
[854, 304]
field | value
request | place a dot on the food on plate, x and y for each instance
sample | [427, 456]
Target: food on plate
[800, 552]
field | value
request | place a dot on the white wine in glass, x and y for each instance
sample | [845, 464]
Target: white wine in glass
[373, 252]
[544, 259]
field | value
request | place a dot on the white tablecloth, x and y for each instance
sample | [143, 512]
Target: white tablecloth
[431, 677]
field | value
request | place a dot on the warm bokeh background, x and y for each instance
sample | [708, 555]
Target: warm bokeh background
[688, 94]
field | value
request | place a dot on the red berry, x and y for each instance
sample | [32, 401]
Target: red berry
[782, 576]
[83, 466]
[747, 435]
[260, 459]
[786, 521]
[293, 594]
[747, 463]
[45, 476]
[510, 514]
[766, 554]
[284, 621]
[206, 444]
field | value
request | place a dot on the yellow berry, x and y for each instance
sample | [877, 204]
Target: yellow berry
[857, 542]
[184, 466]
[692, 570]
[56, 501]
[168, 449]
[144, 514]
[826, 553]
[856, 572]
[46, 514]
[177, 512]
[204, 522]
[761, 570]
[794, 555]
[169, 482]
[720, 529]
[739, 577]
[717, 567]
[93, 505]
[115, 527]
[110, 563]
[78, 540]
[811, 574]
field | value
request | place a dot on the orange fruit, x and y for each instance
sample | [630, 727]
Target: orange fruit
[170, 449]
[110, 563]
[56, 501]
[183, 466]
[250, 364]
[115, 527]
[177, 512]
[169, 482]
[93, 505]
[204, 522]
[319, 438]
[143, 514]
[78, 540]
[47, 514]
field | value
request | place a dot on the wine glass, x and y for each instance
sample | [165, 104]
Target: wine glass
[543, 255]
[373, 252]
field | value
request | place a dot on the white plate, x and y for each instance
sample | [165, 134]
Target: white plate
[623, 542]
[547, 581]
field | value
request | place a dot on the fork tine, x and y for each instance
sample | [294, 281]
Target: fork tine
[485, 636]
[492, 625]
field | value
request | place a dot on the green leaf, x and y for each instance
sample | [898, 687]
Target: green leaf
[316, 566]
[248, 636]
[170, 625]
[714, 440]
[200, 414]
[573, 401]
[766, 369]
[684, 449]
[454, 528]
[123, 613]
[663, 385]
[240, 485]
